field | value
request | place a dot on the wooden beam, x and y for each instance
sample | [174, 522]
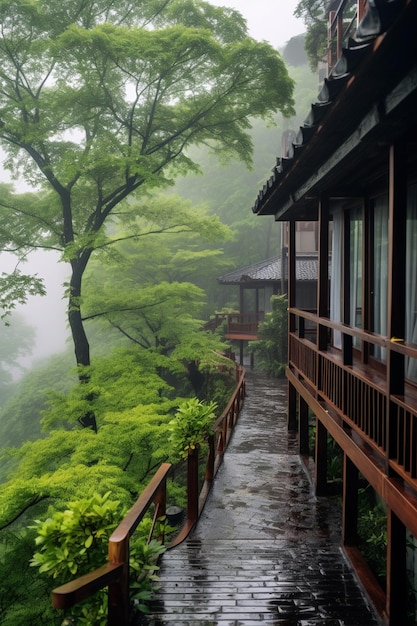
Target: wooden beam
[303, 441]
[350, 502]
[397, 216]
[292, 408]
[321, 459]
[323, 277]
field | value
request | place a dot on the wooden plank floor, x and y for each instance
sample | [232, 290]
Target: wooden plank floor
[265, 549]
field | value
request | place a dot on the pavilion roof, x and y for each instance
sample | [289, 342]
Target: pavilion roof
[269, 270]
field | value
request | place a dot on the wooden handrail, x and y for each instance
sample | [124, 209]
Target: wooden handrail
[115, 573]
[217, 444]
[382, 414]
[399, 346]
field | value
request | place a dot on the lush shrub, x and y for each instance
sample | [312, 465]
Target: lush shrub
[192, 425]
[270, 349]
[75, 541]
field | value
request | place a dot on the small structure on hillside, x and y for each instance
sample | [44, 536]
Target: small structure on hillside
[257, 283]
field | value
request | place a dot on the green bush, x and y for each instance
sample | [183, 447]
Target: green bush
[75, 541]
[192, 425]
[372, 530]
[270, 349]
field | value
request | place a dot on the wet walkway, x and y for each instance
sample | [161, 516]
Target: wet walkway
[265, 549]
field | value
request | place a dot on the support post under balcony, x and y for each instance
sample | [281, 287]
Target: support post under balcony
[350, 502]
[323, 277]
[396, 570]
[303, 427]
[292, 408]
[321, 459]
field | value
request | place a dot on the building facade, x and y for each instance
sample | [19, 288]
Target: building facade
[352, 363]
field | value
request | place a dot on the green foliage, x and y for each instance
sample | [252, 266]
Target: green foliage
[20, 417]
[270, 348]
[192, 425]
[100, 101]
[19, 587]
[218, 386]
[143, 571]
[74, 542]
[314, 14]
[372, 530]
[124, 380]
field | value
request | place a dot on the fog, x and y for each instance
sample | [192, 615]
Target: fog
[47, 314]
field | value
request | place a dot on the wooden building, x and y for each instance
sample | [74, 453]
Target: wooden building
[353, 169]
[258, 282]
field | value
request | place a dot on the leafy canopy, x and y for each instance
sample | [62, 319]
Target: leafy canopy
[100, 99]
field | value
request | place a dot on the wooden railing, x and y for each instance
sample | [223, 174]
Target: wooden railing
[217, 444]
[115, 573]
[243, 323]
[373, 399]
[237, 323]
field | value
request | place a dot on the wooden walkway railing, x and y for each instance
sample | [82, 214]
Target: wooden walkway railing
[115, 573]
[375, 400]
[217, 444]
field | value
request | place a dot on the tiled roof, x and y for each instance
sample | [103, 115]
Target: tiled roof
[349, 101]
[270, 271]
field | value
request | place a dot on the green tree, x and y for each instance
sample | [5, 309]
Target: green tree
[313, 12]
[100, 101]
[315, 15]
[270, 348]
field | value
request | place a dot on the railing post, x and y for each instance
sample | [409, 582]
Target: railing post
[192, 485]
[210, 459]
[161, 504]
[118, 591]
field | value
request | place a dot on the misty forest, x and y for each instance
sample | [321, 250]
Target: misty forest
[135, 136]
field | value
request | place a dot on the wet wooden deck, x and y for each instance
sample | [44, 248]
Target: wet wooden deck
[265, 549]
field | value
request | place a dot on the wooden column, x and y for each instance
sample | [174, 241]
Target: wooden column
[321, 459]
[350, 502]
[292, 395]
[368, 262]
[192, 486]
[396, 571]
[292, 408]
[323, 276]
[303, 440]
[361, 9]
[396, 262]
[291, 266]
[397, 216]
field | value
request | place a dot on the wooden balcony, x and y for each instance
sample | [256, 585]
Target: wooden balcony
[243, 326]
[367, 406]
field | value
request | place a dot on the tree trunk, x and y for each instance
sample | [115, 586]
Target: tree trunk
[79, 337]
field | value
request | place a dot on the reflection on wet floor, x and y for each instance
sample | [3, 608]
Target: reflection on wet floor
[265, 549]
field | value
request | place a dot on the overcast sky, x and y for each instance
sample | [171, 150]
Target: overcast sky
[271, 20]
